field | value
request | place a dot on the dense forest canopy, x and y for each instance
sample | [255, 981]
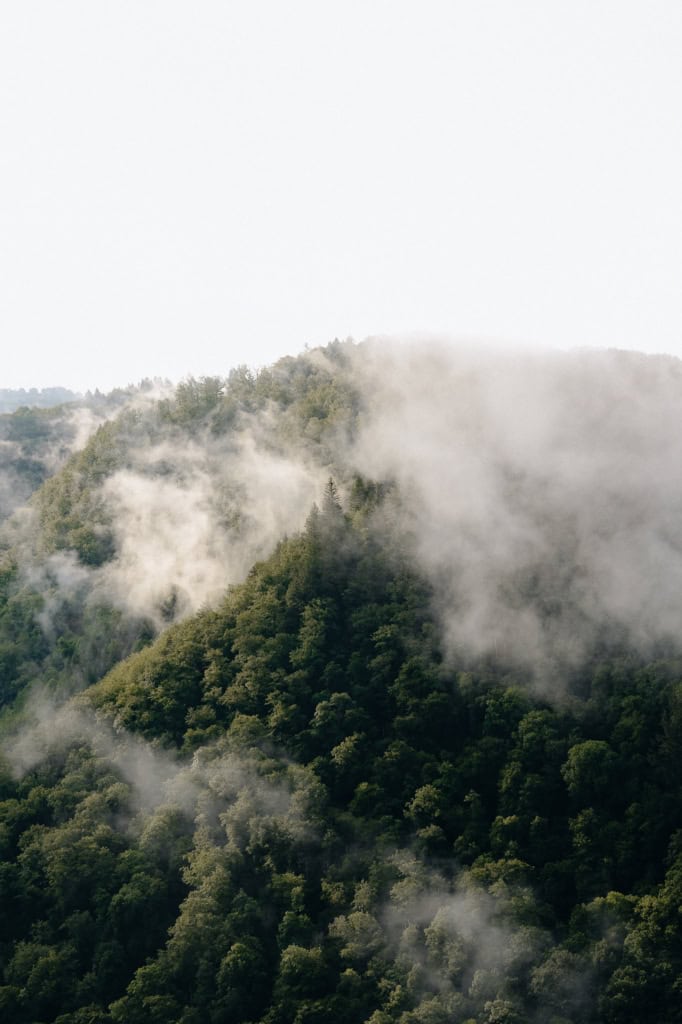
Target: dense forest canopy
[348, 690]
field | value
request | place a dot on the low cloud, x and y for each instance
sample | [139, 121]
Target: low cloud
[542, 493]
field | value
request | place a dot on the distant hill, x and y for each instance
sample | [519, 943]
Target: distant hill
[43, 398]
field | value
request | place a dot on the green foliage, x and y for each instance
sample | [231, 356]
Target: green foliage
[81, 911]
[347, 827]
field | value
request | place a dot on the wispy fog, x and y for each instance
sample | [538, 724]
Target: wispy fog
[192, 517]
[224, 782]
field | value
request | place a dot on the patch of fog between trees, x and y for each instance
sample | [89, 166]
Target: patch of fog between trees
[466, 948]
[235, 790]
[541, 493]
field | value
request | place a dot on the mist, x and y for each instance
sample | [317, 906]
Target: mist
[191, 517]
[468, 948]
[541, 493]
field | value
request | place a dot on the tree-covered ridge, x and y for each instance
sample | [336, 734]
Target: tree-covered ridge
[355, 830]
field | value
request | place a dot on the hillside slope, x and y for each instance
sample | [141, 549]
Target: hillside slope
[351, 690]
[350, 830]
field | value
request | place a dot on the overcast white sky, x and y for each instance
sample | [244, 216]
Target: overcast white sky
[185, 186]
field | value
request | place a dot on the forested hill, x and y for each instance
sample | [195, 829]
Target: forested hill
[308, 799]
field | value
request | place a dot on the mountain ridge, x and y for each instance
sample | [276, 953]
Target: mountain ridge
[305, 792]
